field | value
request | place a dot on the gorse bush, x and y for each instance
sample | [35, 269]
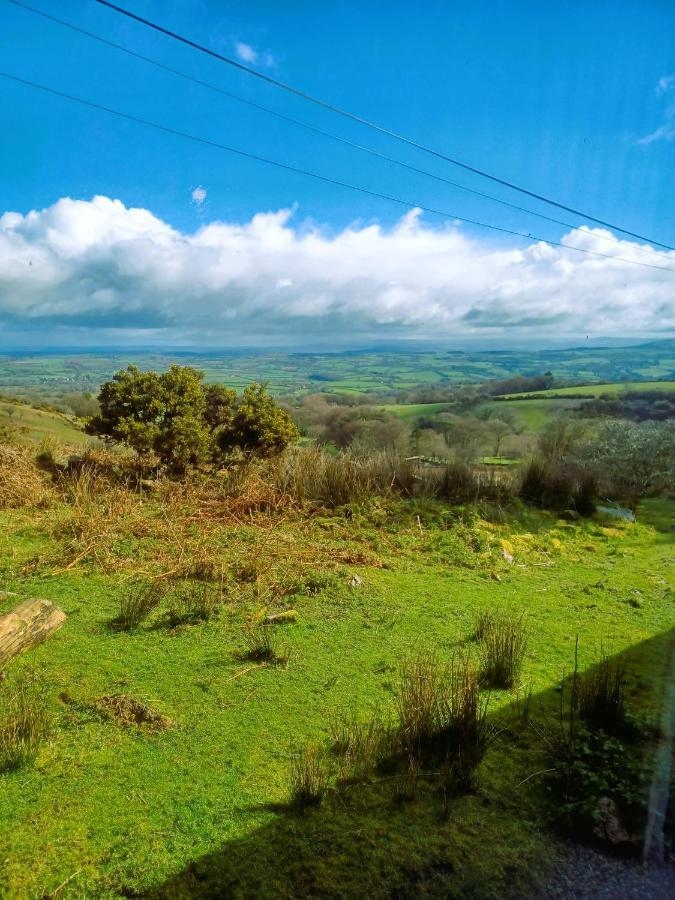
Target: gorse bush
[173, 416]
[502, 647]
[24, 722]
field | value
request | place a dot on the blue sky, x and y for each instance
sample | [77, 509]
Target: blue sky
[574, 100]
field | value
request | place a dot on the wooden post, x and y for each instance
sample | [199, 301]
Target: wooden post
[28, 624]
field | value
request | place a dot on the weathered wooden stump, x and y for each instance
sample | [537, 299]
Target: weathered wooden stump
[28, 624]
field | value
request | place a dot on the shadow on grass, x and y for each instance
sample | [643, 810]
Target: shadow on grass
[659, 512]
[365, 843]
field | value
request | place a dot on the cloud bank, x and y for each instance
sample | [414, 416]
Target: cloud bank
[112, 272]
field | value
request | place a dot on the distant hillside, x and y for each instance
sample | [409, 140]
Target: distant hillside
[376, 371]
[34, 425]
[594, 390]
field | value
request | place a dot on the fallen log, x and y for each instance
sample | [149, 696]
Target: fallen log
[27, 625]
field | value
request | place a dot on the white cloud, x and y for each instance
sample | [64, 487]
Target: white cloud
[249, 54]
[245, 52]
[199, 195]
[98, 264]
[666, 130]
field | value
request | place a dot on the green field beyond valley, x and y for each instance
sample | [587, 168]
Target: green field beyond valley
[355, 371]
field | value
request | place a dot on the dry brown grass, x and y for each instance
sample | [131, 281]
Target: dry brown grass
[21, 482]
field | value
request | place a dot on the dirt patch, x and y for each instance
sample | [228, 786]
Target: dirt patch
[127, 711]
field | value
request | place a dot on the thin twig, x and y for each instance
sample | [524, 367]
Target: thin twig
[57, 890]
[534, 775]
[248, 669]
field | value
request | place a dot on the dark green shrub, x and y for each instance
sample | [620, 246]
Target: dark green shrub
[173, 416]
[547, 486]
[160, 413]
[586, 494]
[258, 426]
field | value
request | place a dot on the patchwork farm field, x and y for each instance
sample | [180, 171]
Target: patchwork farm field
[182, 805]
[359, 371]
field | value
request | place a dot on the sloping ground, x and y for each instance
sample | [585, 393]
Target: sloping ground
[595, 390]
[36, 425]
[196, 810]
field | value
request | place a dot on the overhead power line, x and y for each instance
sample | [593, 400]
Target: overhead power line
[324, 178]
[306, 125]
[370, 124]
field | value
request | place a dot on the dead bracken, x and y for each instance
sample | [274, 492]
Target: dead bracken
[127, 711]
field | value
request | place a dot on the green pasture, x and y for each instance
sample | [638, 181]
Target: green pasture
[109, 810]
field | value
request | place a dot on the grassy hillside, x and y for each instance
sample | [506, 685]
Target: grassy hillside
[412, 411]
[533, 414]
[35, 425]
[597, 390]
[111, 808]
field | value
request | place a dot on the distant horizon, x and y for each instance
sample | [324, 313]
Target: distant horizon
[420, 346]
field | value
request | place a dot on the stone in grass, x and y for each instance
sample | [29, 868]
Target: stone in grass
[355, 581]
[282, 617]
[127, 711]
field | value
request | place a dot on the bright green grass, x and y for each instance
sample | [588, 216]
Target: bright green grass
[123, 811]
[36, 424]
[598, 390]
[534, 414]
[411, 411]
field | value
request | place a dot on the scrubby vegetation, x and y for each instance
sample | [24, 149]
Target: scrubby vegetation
[317, 659]
[24, 722]
[182, 423]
